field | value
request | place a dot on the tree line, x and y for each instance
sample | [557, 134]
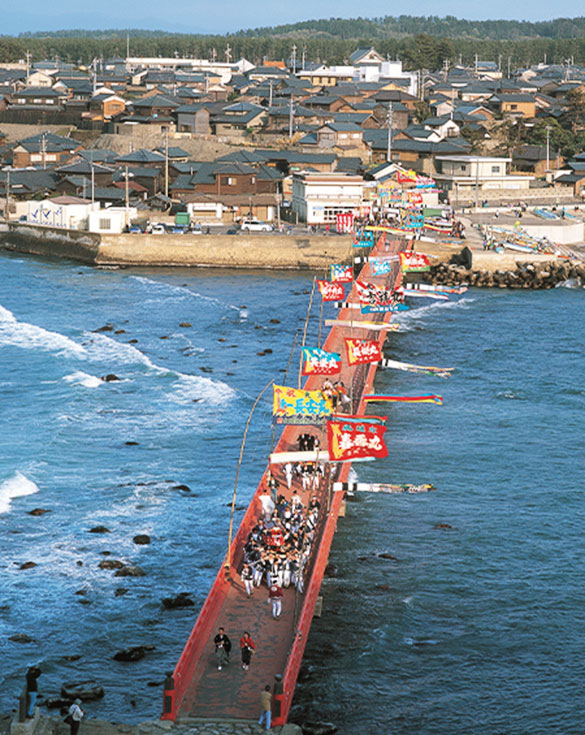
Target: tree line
[420, 51]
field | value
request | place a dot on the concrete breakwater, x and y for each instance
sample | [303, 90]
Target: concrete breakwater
[214, 251]
[527, 275]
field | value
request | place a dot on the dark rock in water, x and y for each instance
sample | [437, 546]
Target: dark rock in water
[268, 351]
[21, 638]
[130, 571]
[27, 565]
[275, 321]
[180, 600]
[105, 328]
[79, 563]
[84, 601]
[99, 529]
[234, 360]
[318, 728]
[443, 526]
[243, 306]
[111, 564]
[131, 444]
[386, 555]
[132, 341]
[120, 591]
[260, 354]
[206, 369]
[110, 378]
[141, 539]
[38, 512]
[84, 690]
[81, 592]
[105, 553]
[221, 339]
[154, 683]
[134, 653]
[72, 657]
[383, 587]
[120, 331]
[185, 488]
[330, 570]
[228, 373]
[306, 673]
[185, 325]
[362, 558]
[165, 336]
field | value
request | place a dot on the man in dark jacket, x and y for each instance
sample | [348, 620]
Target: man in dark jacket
[223, 646]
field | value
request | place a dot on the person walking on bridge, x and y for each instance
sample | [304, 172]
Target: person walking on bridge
[223, 646]
[275, 597]
[266, 705]
[247, 647]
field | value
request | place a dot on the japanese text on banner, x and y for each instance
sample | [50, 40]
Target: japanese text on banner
[349, 441]
[360, 351]
[320, 362]
[297, 406]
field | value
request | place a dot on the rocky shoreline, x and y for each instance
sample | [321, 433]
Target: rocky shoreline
[525, 275]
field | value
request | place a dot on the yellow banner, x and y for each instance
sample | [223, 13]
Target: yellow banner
[297, 406]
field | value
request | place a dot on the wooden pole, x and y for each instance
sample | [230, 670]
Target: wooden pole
[305, 330]
[228, 561]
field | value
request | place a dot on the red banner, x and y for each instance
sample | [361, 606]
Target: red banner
[331, 291]
[349, 441]
[361, 351]
[344, 222]
[414, 262]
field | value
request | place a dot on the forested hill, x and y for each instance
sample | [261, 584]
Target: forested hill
[407, 25]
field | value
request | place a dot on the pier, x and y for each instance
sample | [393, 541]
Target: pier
[197, 689]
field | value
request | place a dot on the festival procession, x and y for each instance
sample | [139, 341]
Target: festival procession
[266, 592]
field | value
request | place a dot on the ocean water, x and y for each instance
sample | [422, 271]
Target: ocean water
[473, 628]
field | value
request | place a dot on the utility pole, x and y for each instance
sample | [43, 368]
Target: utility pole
[166, 163]
[127, 191]
[127, 48]
[548, 129]
[92, 184]
[27, 67]
[44, 150]
[293, 58]
[304, 56]
[228, 53]
[291, 117]
[389, 120]
[7, 213]
[476, 64]
[270, 83]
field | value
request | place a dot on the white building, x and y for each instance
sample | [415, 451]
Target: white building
[318, 198]
[111, 220]
[67, 212]
[462, 175]
[370, 66]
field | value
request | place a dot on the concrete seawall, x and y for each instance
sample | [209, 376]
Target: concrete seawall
[214, 251]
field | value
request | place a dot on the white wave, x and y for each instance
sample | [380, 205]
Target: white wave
[353, 475]
[181, 291]
[420, 312]
[30, 336]
[81, 378]
[16, 486]
[101, 347]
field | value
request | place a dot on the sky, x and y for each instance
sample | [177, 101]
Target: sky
[199, 16]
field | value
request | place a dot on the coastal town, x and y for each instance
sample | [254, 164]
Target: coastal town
[394, 183]
[197, 146]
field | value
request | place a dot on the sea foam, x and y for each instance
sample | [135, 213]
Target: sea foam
[16, 486]
[84, 379]
[30, 336]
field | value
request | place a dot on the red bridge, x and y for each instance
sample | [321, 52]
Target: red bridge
[197, 688]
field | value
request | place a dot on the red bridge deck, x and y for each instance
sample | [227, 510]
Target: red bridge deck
[200, 690]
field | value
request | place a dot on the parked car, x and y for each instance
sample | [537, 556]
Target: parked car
[196, 230]
[157, 229]
[256, 225]
[136, 229]
[232, 231]
[177, 230]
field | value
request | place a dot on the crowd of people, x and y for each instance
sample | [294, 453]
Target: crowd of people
[279, 545]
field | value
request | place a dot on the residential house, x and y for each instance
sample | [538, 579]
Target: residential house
[463, 175]
[317, 198]
[236, 119]
[44, 150]
[514, 105]
[340, 135]
[193, 118]
[534, 159]
[39, 98]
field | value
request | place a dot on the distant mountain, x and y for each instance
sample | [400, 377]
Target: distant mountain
[406, 25]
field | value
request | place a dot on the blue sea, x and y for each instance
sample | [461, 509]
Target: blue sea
[476, 623]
